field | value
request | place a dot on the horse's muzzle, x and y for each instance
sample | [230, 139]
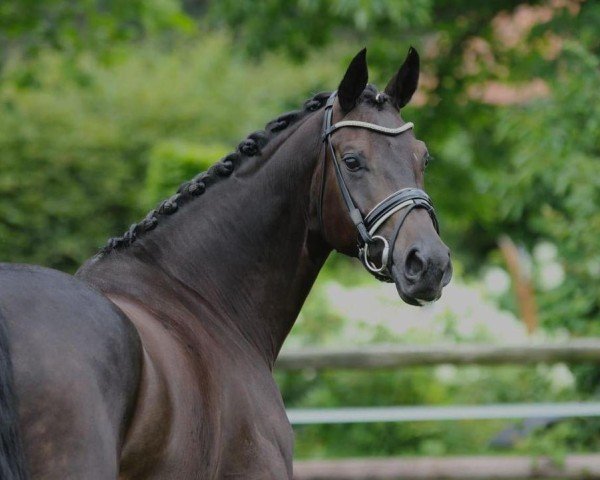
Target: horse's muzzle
[422, 273]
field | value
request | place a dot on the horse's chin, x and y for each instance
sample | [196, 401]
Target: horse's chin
[410, 300]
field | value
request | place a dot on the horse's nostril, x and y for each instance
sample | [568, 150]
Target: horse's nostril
[415, 264]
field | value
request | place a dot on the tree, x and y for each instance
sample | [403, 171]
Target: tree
[505, 105]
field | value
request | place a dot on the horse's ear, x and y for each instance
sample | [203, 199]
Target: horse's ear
[354, 81]
[404, 83]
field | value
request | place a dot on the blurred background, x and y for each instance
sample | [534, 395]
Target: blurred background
[107, 105]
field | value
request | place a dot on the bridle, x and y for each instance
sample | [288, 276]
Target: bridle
[407, 199]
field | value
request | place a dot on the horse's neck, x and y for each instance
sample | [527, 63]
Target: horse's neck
[241, 258]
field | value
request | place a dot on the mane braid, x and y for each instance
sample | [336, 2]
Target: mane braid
[187, 191]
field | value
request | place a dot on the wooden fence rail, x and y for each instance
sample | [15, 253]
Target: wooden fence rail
[394, 356]
[451, 468]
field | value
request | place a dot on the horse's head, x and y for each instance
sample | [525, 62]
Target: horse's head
[372, 184]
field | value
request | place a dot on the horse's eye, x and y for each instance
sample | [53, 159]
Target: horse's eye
[428, 158]
[352, 163]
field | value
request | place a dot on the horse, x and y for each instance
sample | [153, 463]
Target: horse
[154, 361]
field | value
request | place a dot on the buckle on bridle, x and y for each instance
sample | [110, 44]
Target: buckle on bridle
[364, 252]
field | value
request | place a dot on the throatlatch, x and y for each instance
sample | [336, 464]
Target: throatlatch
[367, 226]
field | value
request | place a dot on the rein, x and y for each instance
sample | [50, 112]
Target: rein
[367, 226]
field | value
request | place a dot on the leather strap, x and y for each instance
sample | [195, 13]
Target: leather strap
[354, 212]
[402, 198]
[368, 126]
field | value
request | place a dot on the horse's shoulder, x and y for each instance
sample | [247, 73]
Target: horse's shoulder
[75, 356]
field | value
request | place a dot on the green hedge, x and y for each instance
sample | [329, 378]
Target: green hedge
[87, 148]
[171, 162]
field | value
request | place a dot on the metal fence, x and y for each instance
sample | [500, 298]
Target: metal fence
[468, 468]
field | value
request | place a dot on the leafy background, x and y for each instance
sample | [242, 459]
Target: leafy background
[105, 106]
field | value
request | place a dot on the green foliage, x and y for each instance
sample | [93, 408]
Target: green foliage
[172, 161]
[562, 438]
[27, 26]
[74, 155]
[274, 25]
[554, 187]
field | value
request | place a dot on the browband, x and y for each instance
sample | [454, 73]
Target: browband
[367, 126]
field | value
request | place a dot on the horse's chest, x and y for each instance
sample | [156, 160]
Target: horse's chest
[204, 412]
[257, 436]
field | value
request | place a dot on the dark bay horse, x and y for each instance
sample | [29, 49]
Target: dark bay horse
[155, 360]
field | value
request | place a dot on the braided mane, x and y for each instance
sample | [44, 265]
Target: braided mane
[187, 191]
